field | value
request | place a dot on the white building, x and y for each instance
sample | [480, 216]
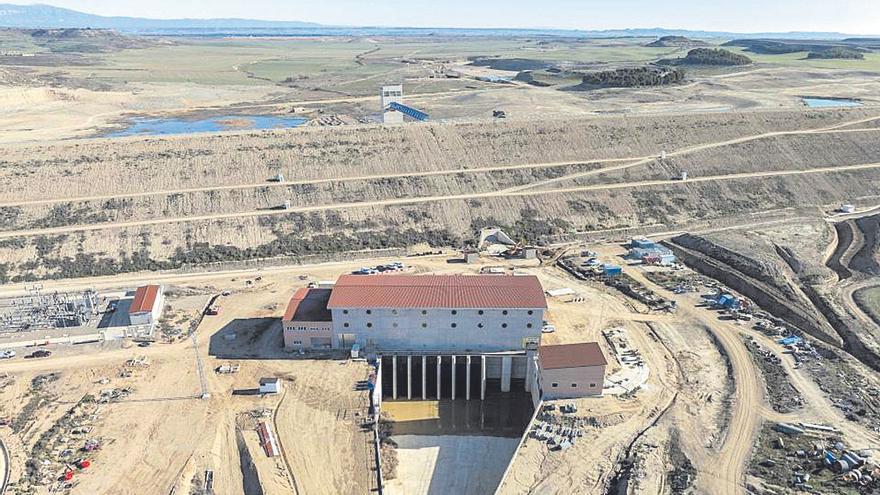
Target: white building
[146, 308]
[389, 95]
[270, 385]
[437, 313]
[571, 370]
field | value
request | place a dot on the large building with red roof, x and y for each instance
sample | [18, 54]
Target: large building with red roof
[437, 313]
[445, 336]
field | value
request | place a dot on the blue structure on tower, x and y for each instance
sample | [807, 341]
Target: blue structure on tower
[409, 111]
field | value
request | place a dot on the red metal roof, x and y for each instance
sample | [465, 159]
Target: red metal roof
[437, 291]
[308, 305]
[554, 357]
[144, 299]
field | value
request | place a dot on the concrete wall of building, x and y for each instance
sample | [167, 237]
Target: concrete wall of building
[141, 318]
[152, 317]
[534, 381]
[159, 306]
[572, 382]
[307, 334]
[437, 329]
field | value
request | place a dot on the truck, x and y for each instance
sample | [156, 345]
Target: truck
[227, 369]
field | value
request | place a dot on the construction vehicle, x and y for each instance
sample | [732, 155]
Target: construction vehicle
[227, 369]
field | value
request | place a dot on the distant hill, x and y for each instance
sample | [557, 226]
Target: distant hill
[73, 40]
[630, 77]
[709, 56]
[781, 46]
[674, 42]
[49, 17]
[838, 52]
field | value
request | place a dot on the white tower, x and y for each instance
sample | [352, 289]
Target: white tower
[389, 95]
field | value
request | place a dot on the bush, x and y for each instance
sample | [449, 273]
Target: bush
[631, 77]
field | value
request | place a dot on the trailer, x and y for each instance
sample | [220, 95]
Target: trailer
[267, 439]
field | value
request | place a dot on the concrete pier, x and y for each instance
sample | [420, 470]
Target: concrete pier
[453, 377]
[482, 377]
[467, 385]
[530, 369]
[394, 377]
[439, 361]
[506, 370]
[409, 377]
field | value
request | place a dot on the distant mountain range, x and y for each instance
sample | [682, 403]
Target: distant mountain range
[49, 17]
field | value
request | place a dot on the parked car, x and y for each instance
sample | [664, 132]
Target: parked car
[7, 354]
[41, 353]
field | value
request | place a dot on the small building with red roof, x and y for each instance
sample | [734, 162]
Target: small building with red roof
[307, 322]
[569, 371]
[146, 308]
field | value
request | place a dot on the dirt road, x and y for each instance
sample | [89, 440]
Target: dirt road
[288, 183]
[728, 468]
[718, 144]
[4, 467]
[750, 408]
[431, 199]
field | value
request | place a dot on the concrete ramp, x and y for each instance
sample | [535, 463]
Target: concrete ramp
[444, 464]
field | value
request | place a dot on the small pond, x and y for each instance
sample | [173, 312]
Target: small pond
[149, 126]
[830, 102]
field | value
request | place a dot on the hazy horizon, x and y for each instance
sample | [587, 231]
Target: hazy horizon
[745, 16]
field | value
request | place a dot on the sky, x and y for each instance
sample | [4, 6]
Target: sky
[847, 16]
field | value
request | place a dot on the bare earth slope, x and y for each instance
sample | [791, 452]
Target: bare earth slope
[79, 208]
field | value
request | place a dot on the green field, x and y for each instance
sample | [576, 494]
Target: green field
[253, 61]
[800, 60]
[356, 65]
